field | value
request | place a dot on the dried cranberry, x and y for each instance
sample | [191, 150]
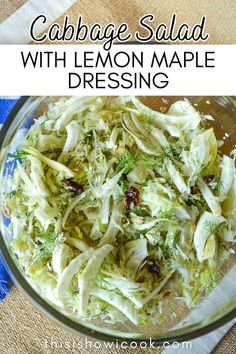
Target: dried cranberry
[194, 190]
[38, 243]
[131, 197]
[208, 179]
[76, 187]
[153, 268]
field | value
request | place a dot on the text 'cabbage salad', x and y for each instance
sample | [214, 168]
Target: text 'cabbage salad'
[117, 209]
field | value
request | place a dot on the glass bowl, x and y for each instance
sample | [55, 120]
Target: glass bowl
[215, 310]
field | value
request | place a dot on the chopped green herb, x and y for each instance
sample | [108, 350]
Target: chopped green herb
[19, 155]
[127, 161]
[45, 250]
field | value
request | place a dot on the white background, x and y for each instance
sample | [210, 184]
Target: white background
[17, 80]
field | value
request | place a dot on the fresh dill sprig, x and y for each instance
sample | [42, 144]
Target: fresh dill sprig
[216, 184]
[87, 138]
[148, 124]
[123, 184]
[19, 155]
[205, 282]
[128, 161]
[171, 153]
[138, 210]
[209, 227]
[45, 250]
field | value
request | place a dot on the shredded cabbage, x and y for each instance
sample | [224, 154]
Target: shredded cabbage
[226, 178]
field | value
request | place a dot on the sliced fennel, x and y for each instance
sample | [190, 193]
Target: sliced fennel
[72, 130]
[136, 253]
[89, 275]
[203, 151]
[51, 163]
[176, 177]
[125, 306]
[209, 197]
[60, 256]
[72, 268]
[204, 235]
[226, 178]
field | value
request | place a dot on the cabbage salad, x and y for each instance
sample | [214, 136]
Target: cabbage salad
[117, 210]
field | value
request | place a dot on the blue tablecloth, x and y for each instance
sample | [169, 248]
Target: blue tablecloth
[6, 105]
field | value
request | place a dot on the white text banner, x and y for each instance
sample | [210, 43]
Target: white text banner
[124, 70]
